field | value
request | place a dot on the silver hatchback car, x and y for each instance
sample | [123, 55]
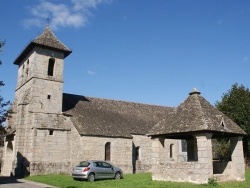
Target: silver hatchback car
[96, 169]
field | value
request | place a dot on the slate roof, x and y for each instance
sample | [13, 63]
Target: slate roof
[46, 40]
[195, 114]
[102, 117]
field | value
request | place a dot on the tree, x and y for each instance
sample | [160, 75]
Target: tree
[3, 104]
[236, 105]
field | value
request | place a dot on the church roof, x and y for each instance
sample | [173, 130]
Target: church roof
[196, 114]
[46, 40]
[103, 117]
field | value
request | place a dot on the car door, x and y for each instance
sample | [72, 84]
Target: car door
[109, 170]
[99, 170]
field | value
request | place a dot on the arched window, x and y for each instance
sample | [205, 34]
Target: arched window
[171, 150]
[51, 66]
[107, 151]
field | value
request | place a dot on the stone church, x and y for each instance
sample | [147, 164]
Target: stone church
[49, 131]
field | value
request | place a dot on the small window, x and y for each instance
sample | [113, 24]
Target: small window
[51, 132]
[171, 150]
[183, 145]
[23, 70]
[27, 69]
[49, 96]
[51, 67]
[107, 151]
[137, 153]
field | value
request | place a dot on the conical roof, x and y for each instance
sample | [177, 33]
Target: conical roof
[46, 40]
[196, 114]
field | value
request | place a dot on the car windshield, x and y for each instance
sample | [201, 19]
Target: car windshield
[83, 164]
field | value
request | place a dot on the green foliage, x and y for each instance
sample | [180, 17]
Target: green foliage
[212, 182]
[236, 105]
[222, 149]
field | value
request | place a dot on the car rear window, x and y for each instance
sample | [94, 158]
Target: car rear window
[83, 164]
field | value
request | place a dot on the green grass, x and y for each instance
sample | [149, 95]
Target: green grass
[130, 180]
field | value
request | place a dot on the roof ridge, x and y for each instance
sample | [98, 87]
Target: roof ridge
[122, 101]
[205, 117]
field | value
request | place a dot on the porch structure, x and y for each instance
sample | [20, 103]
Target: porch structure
[197, 122]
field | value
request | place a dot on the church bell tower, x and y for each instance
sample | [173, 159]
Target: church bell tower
[40, 73]
[37, 108]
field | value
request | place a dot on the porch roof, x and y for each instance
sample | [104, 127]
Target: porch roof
[195, 115]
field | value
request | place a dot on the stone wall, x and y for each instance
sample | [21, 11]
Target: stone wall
[93, 147]
[36, 65]
[49, 167]
[238, 162]
[8, 156]
[143, 164]
[180, 172]
[51, 146]
[168, 168]
[40, 149]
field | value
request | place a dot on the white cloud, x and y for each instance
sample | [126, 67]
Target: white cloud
[73, 13]
[90, 72]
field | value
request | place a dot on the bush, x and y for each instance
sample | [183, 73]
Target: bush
[222, 149]
[213, 182]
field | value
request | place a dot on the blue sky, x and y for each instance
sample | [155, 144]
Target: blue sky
[148, 51]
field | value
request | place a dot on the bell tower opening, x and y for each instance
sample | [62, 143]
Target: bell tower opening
[51, 66]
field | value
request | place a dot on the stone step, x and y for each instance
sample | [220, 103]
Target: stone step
[221, 177]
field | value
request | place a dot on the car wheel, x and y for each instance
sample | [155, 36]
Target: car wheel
[117, 175]
[91, 177]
